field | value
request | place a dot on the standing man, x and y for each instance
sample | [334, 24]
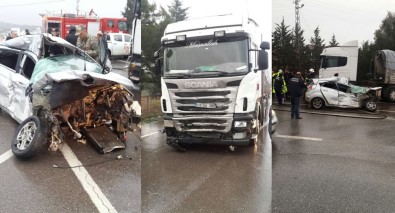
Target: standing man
[71, 37]
[279, 86]
[87, 43]
[296, 86]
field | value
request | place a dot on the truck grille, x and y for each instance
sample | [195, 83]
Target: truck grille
[201, 123]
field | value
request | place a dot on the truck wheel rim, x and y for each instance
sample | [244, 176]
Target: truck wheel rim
[392, 96]
[25, 135]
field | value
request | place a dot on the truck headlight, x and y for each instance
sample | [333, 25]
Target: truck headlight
[240, 124]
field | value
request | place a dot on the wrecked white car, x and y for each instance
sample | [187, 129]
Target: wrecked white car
[53, 89]
[337, 92]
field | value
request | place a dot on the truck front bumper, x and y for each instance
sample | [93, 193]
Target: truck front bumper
[239, 132]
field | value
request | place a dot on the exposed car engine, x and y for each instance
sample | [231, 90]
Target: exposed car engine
[110, 106]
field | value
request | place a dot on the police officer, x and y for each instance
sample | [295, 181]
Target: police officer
[296, 86]
[279, 86]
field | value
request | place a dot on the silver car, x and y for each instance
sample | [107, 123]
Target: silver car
[337, 92]
[48, 84]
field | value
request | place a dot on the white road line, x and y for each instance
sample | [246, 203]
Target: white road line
[392, 119]
[98, 198]
[385, 111]
[154, 133]
[5, 156]
[297, 137]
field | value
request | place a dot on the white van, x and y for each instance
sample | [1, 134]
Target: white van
[118, 44]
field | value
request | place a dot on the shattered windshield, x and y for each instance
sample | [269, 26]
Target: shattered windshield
[26, 42]
[204, 58]
[63, 63]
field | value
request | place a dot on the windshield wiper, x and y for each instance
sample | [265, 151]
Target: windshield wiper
[210, 73]
[179, 75]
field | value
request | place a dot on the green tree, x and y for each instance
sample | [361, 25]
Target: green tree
[128, 13]
[283, 52]
[154, 21]
[384, 37]
[317, 45]
[299, 48]
[333, 42]
[177, 12]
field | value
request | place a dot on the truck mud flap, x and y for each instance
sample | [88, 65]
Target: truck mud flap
[103, 139]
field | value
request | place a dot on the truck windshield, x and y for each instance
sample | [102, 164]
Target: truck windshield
[206, 58]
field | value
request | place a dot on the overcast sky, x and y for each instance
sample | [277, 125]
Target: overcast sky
[347, 19]
[27, 11]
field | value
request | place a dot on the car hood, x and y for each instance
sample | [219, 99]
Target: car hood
[35, 43]
[86, 78]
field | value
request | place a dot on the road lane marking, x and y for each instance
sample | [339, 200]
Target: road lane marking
[392, 119]
[154, 133]
[5, 156]
[297, 137]
[385, 111]
[96, 195]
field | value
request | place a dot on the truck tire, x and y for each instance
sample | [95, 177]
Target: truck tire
[28, 139]
[317, 103]
[370, 105]
[256, 130]
[389, 94]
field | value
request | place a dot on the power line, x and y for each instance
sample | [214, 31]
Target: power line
[26, 4]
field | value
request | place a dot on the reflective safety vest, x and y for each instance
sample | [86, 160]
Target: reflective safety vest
[284, 87]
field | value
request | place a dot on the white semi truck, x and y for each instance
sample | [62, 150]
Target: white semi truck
[216, 85]
[343, 62]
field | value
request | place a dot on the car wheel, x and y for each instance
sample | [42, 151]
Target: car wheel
[317, 103]
[371, 105]
[390, 94]
[28, 139]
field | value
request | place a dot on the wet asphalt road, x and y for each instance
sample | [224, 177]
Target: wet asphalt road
[341, 164]
[204, 178]
[36, 186]
[352, 168]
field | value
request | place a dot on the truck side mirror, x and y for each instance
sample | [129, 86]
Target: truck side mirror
[263, 56]
[158, 66]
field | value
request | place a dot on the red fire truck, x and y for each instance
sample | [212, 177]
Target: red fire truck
[63, 21]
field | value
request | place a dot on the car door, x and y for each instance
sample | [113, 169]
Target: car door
[330, 92]
[346, 98]
[126, 44]
[117, 44]
[12, 94]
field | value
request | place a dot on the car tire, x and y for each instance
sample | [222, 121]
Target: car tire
[28, 139]
[370, 105]
[389, 94]
[317, 103]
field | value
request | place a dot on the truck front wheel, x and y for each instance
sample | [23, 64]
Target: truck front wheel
[389, 94]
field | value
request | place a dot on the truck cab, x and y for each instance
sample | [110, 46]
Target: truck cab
[341, 61]
[213, 88]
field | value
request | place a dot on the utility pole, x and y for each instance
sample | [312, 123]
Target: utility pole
[78, 7]
[297, 39]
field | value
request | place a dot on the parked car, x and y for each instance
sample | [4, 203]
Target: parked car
[48, 84]
[118, 44]
[337, 92]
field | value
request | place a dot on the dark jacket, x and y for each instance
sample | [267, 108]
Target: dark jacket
[71, 37]
[295, 87]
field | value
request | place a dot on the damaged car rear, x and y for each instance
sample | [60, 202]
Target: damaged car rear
[338, 92]
[67, 93]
